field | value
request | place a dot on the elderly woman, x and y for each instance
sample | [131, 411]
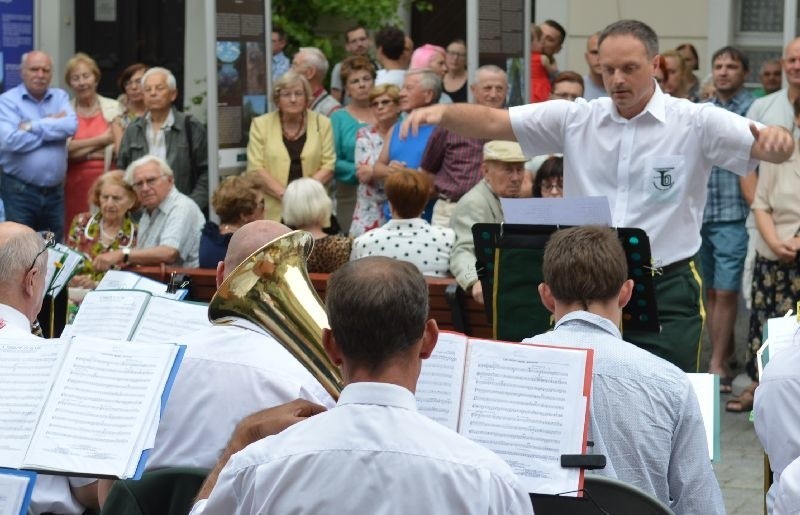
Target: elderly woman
[307, 207]
[108, 228]
[370, 196]
[132, 97]
[676, 83]
[238, 200]
[407, 236]
[290, 143]
[91, 149]
[549, 181]
[434, 58]
[358, 76]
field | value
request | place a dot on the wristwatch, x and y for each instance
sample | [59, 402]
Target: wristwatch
[26, 126]
[126, 255]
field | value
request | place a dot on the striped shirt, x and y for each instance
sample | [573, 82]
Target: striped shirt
[456, 162]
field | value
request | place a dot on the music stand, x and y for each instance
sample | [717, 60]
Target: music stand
[509, 260]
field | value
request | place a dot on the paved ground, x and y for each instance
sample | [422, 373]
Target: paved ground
[740, 471]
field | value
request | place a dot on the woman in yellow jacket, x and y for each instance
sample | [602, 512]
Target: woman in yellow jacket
[290, 143]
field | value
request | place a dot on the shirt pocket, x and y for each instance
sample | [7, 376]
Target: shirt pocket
[664, 179]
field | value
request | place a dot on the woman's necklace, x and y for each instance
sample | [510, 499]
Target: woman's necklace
[87, 111]
[107, 238]
[296, 134]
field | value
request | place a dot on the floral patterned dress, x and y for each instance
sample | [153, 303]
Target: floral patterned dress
[370, 198]
[84, 236]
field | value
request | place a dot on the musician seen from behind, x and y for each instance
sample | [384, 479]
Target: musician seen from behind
[23, 267]
[229, 371]
[644, 415]
[373, 452]
[503, 172]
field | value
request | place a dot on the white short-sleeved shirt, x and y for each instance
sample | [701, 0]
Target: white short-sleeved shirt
[776, 416]
[372, 453]
[228, 373]
[653, 168]
[177, 222]
[51, 494]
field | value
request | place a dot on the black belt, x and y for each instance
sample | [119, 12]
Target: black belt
[676, 265]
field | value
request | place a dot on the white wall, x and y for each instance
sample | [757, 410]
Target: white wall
[54, 33]
[194, 64]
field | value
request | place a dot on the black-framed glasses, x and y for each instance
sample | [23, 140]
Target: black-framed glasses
[49, 242]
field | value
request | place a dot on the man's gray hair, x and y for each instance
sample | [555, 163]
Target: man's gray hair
[162, 166]
[429, 80]
[490, 68]
[171, 83]
[639, 30]
[17, 254]
[315, 58]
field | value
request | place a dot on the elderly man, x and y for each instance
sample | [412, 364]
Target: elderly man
[23, 267]
[341, 461]
[503, 172]
[593, 80]
[35, 123]
[455, 161]
[770, 77]
[177, 138]
[776, 108]
[661, 150]
[311, 63]
[585, 287]
[357, 43]
[238, 361]
[169, 230]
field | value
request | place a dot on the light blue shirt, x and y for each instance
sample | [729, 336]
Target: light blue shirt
[644, 417]
[37, 156]
[280, 65]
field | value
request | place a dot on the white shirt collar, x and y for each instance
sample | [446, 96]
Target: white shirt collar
[596, 320]
[12, 317]
[656, 107]
[382, 394]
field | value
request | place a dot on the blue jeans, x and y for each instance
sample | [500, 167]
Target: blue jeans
[40, 208]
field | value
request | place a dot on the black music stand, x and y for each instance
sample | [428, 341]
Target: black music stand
[509, 260]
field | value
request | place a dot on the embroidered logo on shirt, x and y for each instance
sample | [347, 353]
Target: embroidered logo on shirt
[663, 181]
[2, 323]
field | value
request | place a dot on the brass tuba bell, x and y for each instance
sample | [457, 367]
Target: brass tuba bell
[271, 288]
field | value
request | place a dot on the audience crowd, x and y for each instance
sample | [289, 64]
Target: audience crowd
[395, 162]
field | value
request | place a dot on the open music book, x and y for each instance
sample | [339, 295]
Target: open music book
[122, 280]
[137, 316]
[527, 403]
[84, 406]
[62, 264]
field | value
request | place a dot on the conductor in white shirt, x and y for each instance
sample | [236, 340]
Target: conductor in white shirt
[648, 153]
[23, 268]
[373, 452]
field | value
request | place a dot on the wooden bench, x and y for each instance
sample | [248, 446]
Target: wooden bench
[452, 309]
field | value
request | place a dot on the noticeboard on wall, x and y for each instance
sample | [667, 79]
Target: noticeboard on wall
[16, 38]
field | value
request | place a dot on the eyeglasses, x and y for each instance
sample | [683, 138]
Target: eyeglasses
[49, 242]
[292, 94]
[138, 186]
[381, 103]
[558, 186]
[461, 55]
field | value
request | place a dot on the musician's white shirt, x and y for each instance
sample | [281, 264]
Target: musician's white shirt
[228, 373]
[50, 493]
[372, 453]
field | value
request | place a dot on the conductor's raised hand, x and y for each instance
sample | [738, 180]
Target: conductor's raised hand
[431, 115]
[773, 143]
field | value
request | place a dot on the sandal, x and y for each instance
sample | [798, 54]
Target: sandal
[744, 402]
[725, 384]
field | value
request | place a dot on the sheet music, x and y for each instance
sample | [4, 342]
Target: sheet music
[12, 493]
[706, 388]
[167, 320]
[781, 333]
[557, 211]
[111, 314]
[526, 404]
[118, 280]
[71, 261]
[53, 256]
[439, 385]
[99, 406]
[27, 369]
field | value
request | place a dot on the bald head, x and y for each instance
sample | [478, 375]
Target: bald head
[249, 238]
[37, 71]
[23, 267]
